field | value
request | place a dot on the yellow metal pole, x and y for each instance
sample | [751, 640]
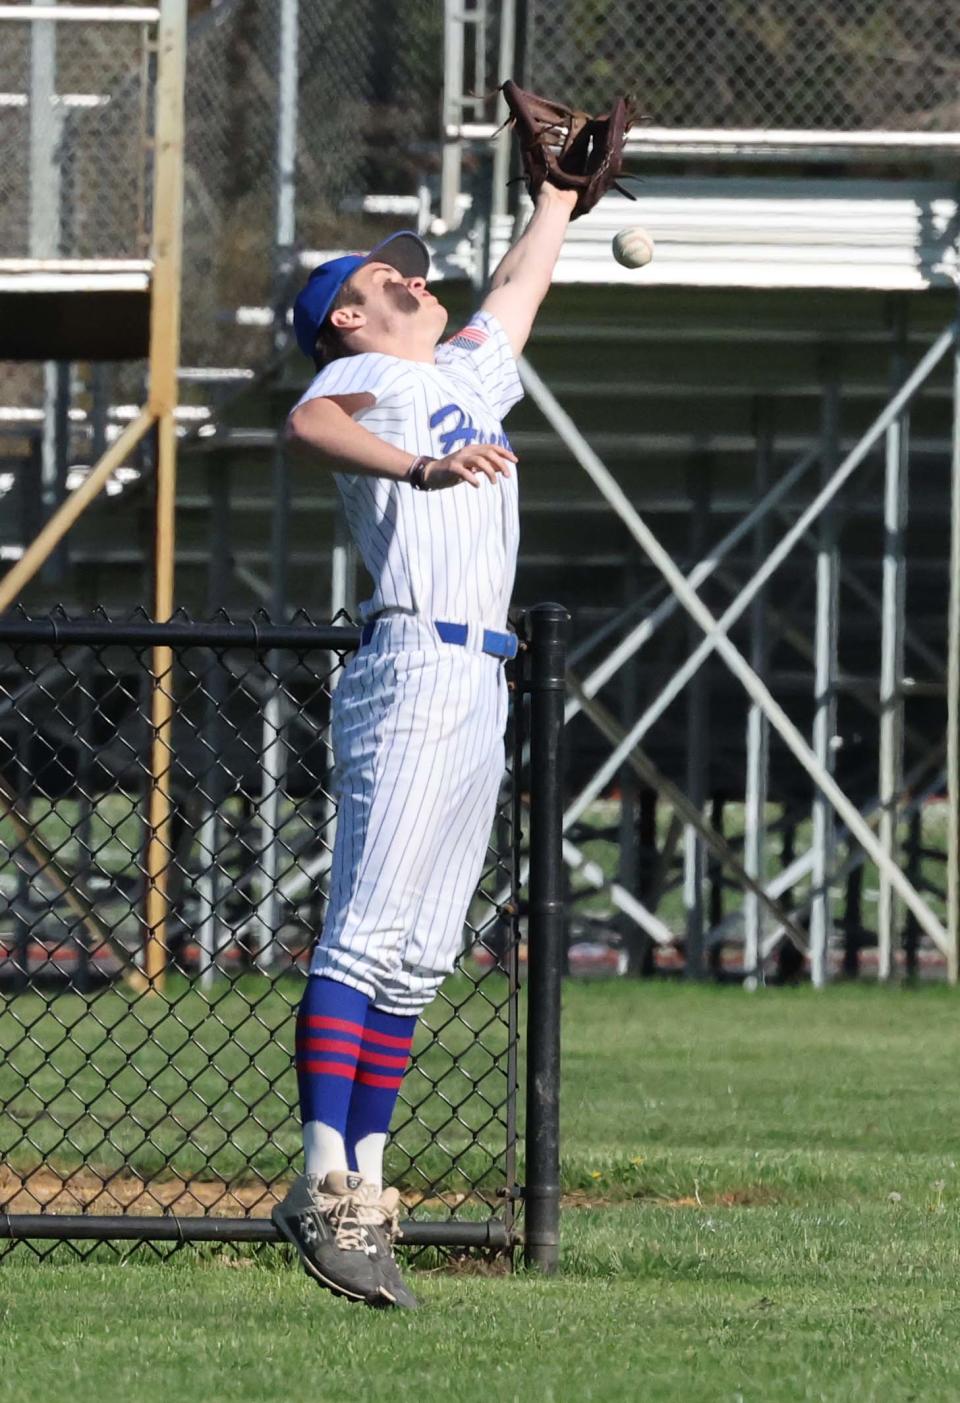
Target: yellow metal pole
[164, 359]
[59, 524]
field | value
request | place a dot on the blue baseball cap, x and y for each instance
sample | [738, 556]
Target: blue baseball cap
[404, 251]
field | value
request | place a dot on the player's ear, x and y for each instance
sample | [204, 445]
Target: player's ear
[348, 318]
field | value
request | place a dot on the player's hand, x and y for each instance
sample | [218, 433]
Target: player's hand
[470, 464]
[550, 193]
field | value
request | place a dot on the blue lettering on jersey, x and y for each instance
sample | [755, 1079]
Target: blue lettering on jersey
[456, 429]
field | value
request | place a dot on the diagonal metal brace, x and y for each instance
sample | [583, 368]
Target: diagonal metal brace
[714, 629]
[641, 763]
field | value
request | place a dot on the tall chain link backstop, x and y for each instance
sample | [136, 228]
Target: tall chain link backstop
[846, 65]
[365, 103]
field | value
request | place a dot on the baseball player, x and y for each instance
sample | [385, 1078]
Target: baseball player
[412, 427]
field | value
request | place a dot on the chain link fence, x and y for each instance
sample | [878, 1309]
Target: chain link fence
[75, 107]
[366, 106]
[889, 65]
[76, 110]
[171, 1111]
[75, 116]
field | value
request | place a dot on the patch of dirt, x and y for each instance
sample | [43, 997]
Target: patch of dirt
[86, 1192]
[583, 1198]
[753, 1197]
[756, 1196]
[465, 1264]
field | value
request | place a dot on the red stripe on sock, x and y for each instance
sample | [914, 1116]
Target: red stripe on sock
[381, 1059]
[385, 1039]
[375, 1079]
[336, 1025]
[329, 1069]
[348, 1048]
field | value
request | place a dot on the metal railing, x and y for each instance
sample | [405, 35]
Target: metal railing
[146, 1086]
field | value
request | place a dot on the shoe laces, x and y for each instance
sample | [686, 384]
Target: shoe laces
[350, 1217]
[391, 1222]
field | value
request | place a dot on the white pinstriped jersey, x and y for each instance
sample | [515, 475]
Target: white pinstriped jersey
[449, 554]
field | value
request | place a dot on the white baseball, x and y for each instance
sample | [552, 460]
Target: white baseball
[633, 247]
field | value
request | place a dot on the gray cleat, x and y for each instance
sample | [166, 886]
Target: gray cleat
[336, 1225]
[393, 1283]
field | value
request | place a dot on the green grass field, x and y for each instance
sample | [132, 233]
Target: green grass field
[764, 1206]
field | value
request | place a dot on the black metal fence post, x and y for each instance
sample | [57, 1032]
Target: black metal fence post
[546, 627]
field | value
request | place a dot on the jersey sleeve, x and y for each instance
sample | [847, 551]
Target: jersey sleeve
[481, 353]
[367, 374]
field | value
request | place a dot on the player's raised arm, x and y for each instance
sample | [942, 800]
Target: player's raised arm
[570, 161]
[524, 274]
[324, 428]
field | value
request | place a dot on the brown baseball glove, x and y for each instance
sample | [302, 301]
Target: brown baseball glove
[567, 148]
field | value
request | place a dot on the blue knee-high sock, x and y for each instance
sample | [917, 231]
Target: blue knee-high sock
[330, 1027]
[384, 1054]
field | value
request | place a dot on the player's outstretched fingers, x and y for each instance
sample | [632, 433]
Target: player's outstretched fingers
[499, 458]
[463, 473]
[485, 461]
[469, 464]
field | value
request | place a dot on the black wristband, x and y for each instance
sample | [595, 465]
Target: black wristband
[416, 473]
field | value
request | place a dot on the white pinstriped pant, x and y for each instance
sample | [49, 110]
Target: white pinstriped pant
[418, 730]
